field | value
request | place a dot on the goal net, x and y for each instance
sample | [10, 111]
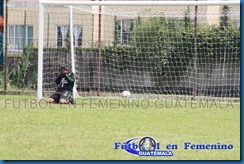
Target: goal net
[151, 49]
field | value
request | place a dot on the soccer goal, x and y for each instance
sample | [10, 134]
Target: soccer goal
[149, 48]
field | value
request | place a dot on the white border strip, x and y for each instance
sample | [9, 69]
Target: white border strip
[139, 3]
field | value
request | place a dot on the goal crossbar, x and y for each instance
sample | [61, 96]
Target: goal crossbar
[139, 3]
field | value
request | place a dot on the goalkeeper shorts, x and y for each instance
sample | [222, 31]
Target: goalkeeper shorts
[66, 95]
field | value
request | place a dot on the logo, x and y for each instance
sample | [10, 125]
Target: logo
[145, 146]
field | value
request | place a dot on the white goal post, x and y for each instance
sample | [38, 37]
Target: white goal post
[69, 4]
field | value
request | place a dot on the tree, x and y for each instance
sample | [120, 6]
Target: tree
[224, 19]
[116, 31]
[187, 19]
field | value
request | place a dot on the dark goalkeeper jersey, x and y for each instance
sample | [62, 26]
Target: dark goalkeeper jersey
[65, 82]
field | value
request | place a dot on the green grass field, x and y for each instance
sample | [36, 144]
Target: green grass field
[88, 131]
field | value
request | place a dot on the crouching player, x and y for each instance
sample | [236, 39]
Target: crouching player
[64, 92]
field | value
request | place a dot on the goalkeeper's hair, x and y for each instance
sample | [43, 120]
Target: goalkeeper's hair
[63, 67]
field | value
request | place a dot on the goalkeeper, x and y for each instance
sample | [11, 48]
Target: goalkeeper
[64, 92]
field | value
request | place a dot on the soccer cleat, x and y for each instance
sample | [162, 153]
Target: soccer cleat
[71, 100]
